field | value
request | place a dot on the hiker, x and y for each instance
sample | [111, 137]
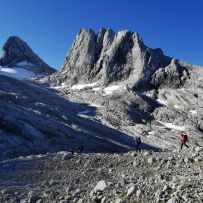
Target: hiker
[80, 149]
[72, 150]
[183, 140]
[138, 142]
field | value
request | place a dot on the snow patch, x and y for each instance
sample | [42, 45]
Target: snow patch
[148, 95]
[19, 73]
[162, 102]
[177, 107]
[59, 87]
[171, 126]
[25, 63]
[84, 112]
[95, 105]
[96, 89]
[193, 111]
[82, 86]
[111, 89]
[151, 133]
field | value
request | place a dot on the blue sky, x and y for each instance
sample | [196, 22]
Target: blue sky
[50, 26]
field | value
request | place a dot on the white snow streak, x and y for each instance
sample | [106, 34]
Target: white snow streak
[96, 88]
[59, 87]
[193, 111]
[162, 102]
[111, 89]
[19, 73]
[84, 112]
[177, 107]
[82, 86]
[25, 63]
[95, 105]
[151, 133]
[171, 126]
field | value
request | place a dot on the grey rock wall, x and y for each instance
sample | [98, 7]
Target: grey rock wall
[108, 57]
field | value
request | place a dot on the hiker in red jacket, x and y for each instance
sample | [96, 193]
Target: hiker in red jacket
[183, 139]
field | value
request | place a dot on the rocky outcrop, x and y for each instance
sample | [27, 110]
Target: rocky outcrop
[34, 119]
[172, 76]
[109, 57]
[17, 53]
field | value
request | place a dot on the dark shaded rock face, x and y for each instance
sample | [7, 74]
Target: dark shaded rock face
[109, 57]
[34, 119]
[17, 51]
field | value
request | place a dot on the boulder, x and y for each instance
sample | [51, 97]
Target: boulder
[151, 160]
[66, 156]
[131, 191]
[101, 186]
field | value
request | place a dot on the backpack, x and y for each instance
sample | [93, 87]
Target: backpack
[183, 137]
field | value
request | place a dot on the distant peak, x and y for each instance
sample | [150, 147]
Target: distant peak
[15, 51]
[15, 41]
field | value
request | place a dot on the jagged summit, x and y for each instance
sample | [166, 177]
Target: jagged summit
[16, 52]
[108, 57]
[112, 57]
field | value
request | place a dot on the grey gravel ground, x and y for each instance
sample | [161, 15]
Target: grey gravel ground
[172, 176]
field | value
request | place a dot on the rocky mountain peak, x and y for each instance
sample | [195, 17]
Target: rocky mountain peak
[16, 51]
[111, 57]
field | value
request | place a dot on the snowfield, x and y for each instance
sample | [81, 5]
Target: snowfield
[111, 89]
[82, 86]
[19, 73]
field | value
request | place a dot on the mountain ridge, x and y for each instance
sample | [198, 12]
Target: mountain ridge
[109, 57]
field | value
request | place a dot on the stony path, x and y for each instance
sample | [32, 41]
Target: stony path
[131, 177]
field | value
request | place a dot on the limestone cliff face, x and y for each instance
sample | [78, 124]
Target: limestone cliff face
[108, 57]
[17, 52]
